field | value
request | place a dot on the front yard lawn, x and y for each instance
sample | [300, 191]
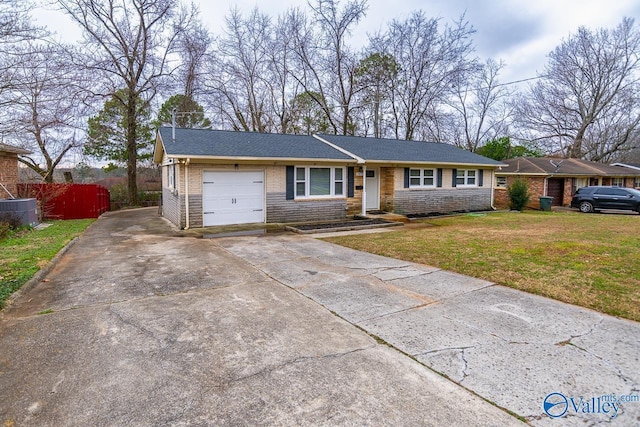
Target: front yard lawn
[24, 252]
[591, 260]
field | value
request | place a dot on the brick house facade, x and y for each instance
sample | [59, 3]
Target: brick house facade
[9, 170]
[557, 178]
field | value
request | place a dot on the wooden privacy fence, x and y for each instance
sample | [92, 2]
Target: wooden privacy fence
[68, 201]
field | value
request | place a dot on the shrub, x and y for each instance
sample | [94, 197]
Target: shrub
[5, 229]
[11, 219]
[518, 195]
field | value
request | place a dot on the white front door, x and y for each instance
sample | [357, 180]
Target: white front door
[373, 189]
[232, 197]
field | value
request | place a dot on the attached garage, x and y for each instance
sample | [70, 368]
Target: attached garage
[232, 197]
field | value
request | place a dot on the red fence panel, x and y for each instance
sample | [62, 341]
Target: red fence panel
[68, 201]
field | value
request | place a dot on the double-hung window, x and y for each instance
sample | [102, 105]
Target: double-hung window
[501, 181]
[466, 177]
[420, 178]
[314, 181]
[618, 182]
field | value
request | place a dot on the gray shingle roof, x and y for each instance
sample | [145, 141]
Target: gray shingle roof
[225, 144]
[568, 167]
[216, 143]
[393, 150]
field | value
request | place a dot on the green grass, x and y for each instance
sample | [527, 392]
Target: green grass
[25, 251]
[589, 260]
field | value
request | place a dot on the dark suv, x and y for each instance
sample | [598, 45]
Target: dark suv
[589, 199]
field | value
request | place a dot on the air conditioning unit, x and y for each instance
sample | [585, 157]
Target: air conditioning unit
[25, 209]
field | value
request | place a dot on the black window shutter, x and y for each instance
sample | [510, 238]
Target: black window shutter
[453, 180]
[439, 179]
[480, 176]
[406, 177]
[350, 181]
[290, 182]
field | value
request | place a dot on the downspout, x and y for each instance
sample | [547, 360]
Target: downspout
[186, 191]
[493, 178]
[364, 189]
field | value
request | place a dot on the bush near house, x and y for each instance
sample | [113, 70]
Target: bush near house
[518, 195]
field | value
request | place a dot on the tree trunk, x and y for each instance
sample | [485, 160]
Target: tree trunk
[132, 150]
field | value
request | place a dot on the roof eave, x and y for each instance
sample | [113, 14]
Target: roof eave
[258, 159]
[158, 149]
[431, 162]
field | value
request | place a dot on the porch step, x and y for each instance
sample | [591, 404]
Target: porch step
[387, 216]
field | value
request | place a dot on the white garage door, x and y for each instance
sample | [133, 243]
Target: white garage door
[232, 198]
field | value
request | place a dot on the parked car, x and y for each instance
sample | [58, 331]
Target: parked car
[590, 199]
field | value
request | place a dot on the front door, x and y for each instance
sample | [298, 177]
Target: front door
[373, 190]
[555, 189]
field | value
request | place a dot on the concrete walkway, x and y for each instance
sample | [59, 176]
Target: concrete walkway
[510, 347]
[136, 326]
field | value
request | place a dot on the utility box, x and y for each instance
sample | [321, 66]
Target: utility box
[25, 209]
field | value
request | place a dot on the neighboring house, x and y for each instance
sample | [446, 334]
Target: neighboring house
[223, 177]
[558, 178]
[9, 170]
[635, 166]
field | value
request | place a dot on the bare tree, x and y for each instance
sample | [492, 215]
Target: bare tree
[15, 22]
[47, 109]
[479, 108]
[239, 72]
[16, 28]
[193, 46]
[585, 104]
[129, 42]
[326, 63]
[431, 61]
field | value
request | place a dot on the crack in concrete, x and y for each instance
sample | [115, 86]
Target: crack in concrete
[593, 328]
[121, 301]
[149, 333]
[465, 367]
[381, 316]
[438, 350]
[301, 359]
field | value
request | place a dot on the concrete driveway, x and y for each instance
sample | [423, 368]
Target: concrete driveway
[139, 326]
[512, 348]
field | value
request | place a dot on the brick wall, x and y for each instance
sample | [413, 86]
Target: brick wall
[8, 174]
[279, 209]
[387, 188]
[536, 189]
[354, 204]
[442, 200]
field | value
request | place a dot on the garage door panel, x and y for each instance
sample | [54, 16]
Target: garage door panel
[232, 197]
